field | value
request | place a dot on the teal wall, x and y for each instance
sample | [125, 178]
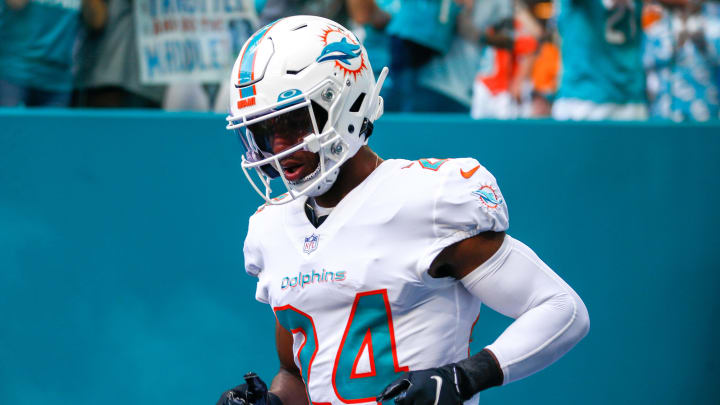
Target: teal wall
[121, 272]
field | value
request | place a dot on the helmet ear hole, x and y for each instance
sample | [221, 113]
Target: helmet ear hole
[321, 115]
[358, 102]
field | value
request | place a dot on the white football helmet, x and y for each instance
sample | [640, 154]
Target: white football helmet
[311, 73]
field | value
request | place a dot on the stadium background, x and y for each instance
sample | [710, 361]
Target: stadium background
[121, 270]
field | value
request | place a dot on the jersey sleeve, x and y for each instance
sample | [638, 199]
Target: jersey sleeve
[252, 253]
[467, 202]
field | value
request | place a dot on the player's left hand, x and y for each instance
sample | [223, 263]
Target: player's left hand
[253, 392]
[434, 386]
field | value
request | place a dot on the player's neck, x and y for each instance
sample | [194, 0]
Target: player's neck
[352, 173]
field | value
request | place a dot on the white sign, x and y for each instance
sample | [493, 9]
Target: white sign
[191, 40]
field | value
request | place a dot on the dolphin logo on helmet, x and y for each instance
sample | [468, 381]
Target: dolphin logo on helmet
[342, 51]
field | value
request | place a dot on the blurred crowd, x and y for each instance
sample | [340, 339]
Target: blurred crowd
[503, 59]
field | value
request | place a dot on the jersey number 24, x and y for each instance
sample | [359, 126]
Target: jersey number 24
[369, 330]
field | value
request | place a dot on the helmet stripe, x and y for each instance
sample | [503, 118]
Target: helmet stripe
[246, 73]
[247, 91]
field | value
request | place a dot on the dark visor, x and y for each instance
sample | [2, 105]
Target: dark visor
[287, 129]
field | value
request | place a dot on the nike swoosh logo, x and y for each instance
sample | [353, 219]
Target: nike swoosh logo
[439, 384]
[469, 173]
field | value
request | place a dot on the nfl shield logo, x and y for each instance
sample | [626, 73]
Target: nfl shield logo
[311, 243]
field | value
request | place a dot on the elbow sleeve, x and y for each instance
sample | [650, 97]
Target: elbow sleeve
[550, 318]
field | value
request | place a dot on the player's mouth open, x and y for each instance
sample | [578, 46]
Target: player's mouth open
[293, 169]
[292, 172]
[299, 165]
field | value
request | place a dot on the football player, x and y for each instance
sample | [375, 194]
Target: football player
[376, 269]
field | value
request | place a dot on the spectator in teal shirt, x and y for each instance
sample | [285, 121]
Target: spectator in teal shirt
[418, 31]
[368, 21]
[36, 50]
[602, 72]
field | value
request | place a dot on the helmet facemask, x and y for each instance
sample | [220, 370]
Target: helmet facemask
[300, 118]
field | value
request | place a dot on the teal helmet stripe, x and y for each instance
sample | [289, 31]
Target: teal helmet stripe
[247, 91]
[247, 63]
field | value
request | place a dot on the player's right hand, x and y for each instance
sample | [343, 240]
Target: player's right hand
[253, 392]
[434, 386]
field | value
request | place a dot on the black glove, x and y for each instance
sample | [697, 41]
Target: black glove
[434, 386]
[447, 385]
[253, 392]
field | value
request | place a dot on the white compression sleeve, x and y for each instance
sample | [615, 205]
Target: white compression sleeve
[550, 318]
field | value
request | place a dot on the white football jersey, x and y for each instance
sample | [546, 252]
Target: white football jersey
[355, 291]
